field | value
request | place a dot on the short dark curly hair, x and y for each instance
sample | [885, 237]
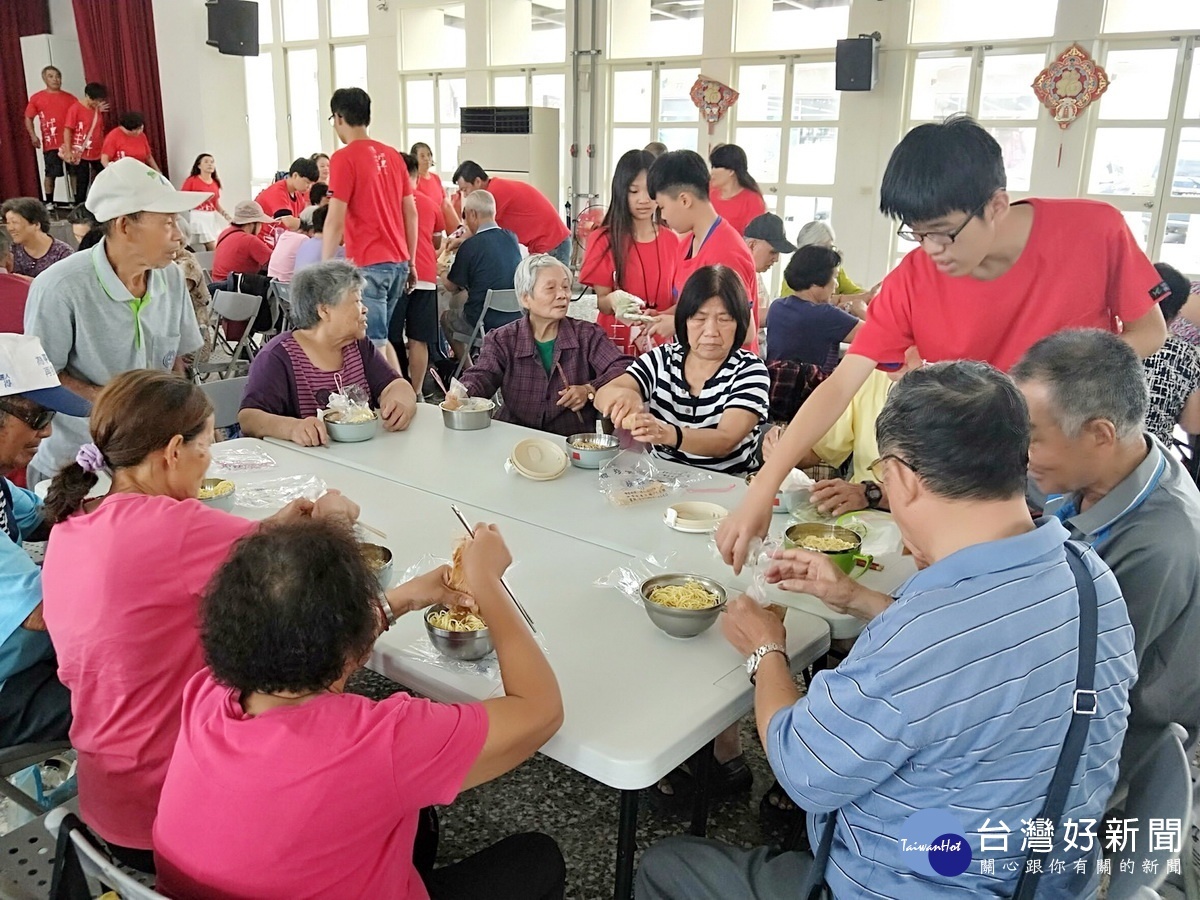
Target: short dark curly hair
[291, 606]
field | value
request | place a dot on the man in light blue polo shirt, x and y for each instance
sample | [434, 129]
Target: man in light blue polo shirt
[1118, 489]
[34, 705]
[121, 305]
[950, 713]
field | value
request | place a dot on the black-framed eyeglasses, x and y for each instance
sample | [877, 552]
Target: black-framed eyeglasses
[943, 238]
[876, 468]
[37, 419]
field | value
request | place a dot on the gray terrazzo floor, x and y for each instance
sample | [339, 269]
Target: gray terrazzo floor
[579, 813]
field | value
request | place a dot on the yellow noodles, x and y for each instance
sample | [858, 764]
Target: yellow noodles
[456, 619]
[220, 489]
[689, 595]
[827, 544]
[589, 445]
[356, 416]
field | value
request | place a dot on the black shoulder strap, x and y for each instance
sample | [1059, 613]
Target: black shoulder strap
[1084, 706]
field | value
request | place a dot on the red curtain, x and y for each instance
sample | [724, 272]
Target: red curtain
[116, 38]
[35, 16]
[18, 171]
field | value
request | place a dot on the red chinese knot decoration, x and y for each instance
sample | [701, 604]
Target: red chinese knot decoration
[713, 99]
[1070, 84]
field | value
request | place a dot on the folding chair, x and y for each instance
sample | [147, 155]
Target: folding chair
[22, 756]
[205, 258]
[82, 869]
[1159, 788]
[280, 297]
[225, 394]
[229, 308]
[504, 301]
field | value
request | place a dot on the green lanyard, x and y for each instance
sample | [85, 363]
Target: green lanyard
[136, 304]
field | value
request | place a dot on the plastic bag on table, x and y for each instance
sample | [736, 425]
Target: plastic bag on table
[350, 405]
[240, 459]
[423, 651]
[631, 477]
[279, 492]
[879, 531]
[628, 578]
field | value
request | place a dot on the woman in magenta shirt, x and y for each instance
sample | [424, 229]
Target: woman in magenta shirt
[284, 786]
[121, 586]
[733, 191]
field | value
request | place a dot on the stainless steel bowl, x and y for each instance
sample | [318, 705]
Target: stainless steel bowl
[464, 645]
[468, 419]
[383, 571]
[592, 459]
[682, 623]
[352, 433]
[224, 501]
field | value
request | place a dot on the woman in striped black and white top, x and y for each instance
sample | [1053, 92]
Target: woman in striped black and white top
[707, 396]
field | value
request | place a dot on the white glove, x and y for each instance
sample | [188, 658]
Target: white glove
[625, 305]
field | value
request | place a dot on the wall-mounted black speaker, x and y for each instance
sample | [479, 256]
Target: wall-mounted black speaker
[233, 26]
[857, 59]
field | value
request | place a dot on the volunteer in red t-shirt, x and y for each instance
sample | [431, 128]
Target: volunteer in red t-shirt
[430, 184]
[290, 193]
[990, 281]
[239, 248]
[732, 189]
[208, 219]
[631, 254]
[83, 135]
[414, 324]
[678, 182]
[50, 108]
[372, 206]
[128, 139]
[520, 208]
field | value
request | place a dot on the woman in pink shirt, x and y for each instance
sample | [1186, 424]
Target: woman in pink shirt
[121, 587]
[284, 786]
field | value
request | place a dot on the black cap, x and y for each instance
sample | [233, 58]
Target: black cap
[769, 227]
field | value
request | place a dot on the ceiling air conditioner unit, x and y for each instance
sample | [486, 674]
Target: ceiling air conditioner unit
[519, 142]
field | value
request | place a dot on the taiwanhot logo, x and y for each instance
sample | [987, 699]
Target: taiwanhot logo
[932, 842]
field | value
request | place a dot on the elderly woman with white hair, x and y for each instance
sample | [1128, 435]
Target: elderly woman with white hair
[548, 365]
[849, 295]
[327, 351]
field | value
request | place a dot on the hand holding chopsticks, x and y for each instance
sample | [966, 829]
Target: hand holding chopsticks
[566, 387]
[471, 533]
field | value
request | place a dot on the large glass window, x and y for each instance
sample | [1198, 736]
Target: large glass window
[947, 21]
[431, 107]
[260, 109]
[350, 66]
[348, 18]
[433, 38]
[659, 29]
[304, 102]
[653, 103]
[300, 20]
[1124, 16]
[266, 29]
[1145, 145]
[524, 32]
[771, 25]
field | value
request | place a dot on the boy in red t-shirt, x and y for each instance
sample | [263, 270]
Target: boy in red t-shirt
[371, 204]
[992, 279]
[128, 139]
[50, 107]
[414, 324]
[678, 182]
[83, 135]
[520, 208]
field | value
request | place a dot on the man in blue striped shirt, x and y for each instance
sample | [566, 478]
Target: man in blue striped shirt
[955, 701]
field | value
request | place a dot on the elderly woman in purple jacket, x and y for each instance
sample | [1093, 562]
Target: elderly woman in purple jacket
[547, 365]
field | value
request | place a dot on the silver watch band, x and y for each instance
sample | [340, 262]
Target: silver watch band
[762, 653]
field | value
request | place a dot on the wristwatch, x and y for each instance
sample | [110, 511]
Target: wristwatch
[753, 660]
[388, 613]
[874, 494]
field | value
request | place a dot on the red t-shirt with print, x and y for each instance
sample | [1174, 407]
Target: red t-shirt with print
[740, 209]
[525, 211]
[50, 108]
[119, 143]
[196, 183]
[87, 131]
[430, 220]
[372, 180]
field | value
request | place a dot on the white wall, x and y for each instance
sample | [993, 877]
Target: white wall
[204, 98]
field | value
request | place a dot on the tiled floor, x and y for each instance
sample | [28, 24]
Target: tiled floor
[579, 813]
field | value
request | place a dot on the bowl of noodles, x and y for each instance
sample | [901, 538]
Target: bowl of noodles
[458, 633]
[359, 425]
[217, 493]
[467, 413]
[379, 558]
[840, 544]
[590, 450]
[682, 605]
